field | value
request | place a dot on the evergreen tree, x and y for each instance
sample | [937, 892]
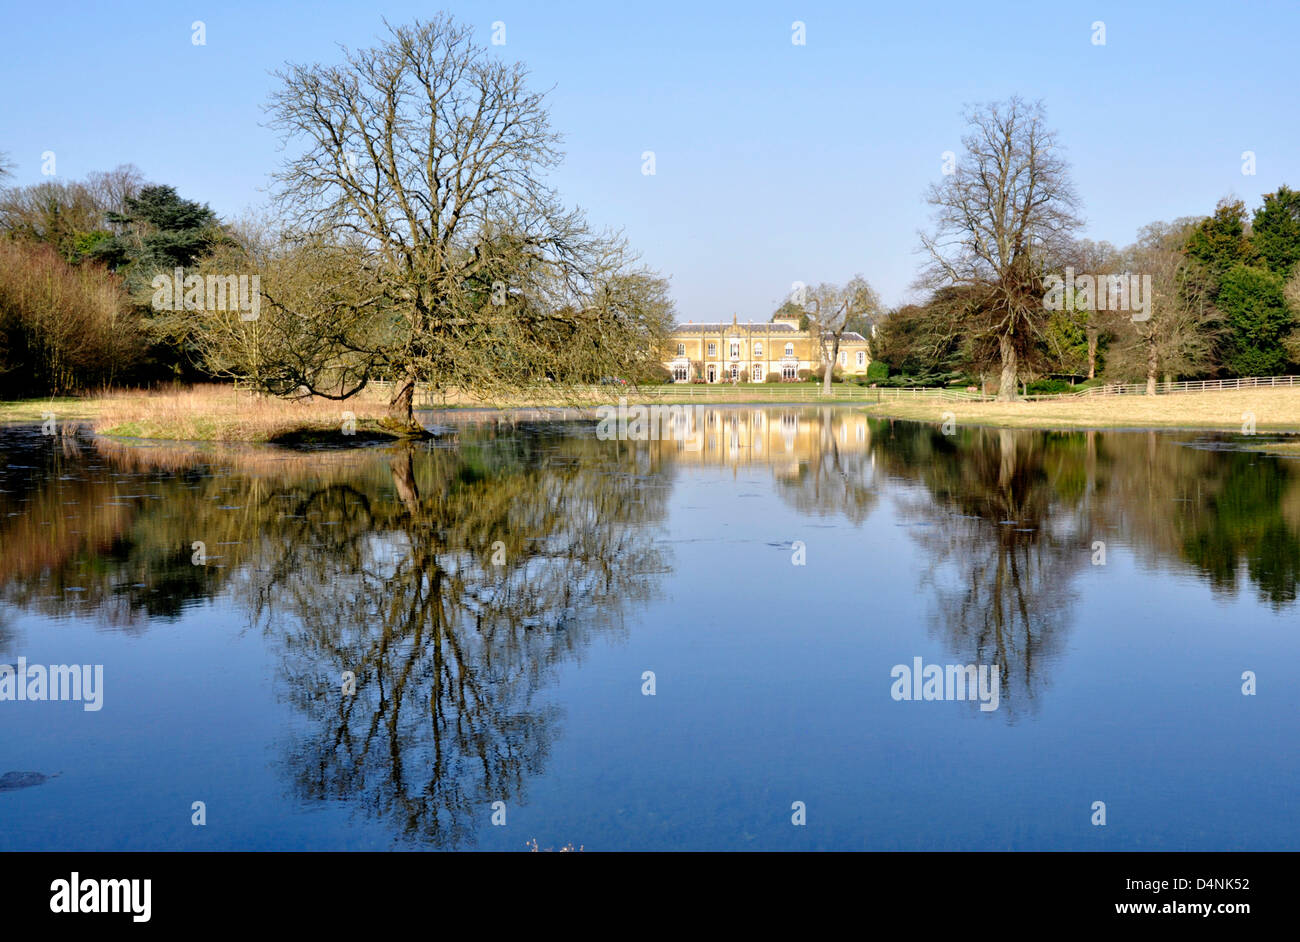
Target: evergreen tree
[1276, 231]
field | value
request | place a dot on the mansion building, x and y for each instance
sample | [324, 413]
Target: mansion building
[725, 353]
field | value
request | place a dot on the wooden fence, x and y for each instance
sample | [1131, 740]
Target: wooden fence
[807, 392]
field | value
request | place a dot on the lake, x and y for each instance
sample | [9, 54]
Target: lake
[525, 632]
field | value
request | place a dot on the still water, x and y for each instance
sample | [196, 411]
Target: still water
[644, 645]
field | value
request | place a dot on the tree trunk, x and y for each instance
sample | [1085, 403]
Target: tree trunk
[1092, 353]
[1007, 384]
[401, 409]
[404, 481]
[830, 367]
[1006, 458]
[1153, 367]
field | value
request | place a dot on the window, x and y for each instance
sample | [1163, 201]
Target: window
[713, 349]
[735, 350]
[789, 349]
[758, 350]
[862, 358]
[758, 373]
[735, 371]
[679, 374]
[844, 358]
[681, 349]
[788, 372]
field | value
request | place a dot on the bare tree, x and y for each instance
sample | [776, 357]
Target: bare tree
[62, 213]
[1178, 330]
[831, 310]
[1092, 257]
[1007, 208]
[428, 155]
[1292, 293]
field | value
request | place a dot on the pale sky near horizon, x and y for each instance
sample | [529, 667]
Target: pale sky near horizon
[774, 162]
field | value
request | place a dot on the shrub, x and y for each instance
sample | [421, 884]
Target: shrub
[1048, 386]
[62, 327]
[819, 373]
[877, 370]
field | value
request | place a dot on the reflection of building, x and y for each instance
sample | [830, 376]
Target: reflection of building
[752, 353]
[771, 436]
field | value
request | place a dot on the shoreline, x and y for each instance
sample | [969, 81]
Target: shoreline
[208, 415]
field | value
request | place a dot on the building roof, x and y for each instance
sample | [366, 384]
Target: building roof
[751, 328]
[850, 336]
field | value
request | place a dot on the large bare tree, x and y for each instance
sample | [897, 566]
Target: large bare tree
[1179, 330]
[429, 157]
[832, 309]
[1006, 210]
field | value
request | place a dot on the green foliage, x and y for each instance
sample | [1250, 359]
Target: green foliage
[1066, 342]
[1220, 242]
[1275, 232]
[1050, 386]
[788, 308]
[877, 370]
[1258, 321]
[160, 232]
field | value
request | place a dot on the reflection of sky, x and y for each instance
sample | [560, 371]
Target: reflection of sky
[772, 686]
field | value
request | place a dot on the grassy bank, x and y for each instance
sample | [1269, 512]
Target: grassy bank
[222, 413]
[1276, 410]
[225, 414]
[212, 413]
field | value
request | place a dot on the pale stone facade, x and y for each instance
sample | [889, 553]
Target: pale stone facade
[718, 353]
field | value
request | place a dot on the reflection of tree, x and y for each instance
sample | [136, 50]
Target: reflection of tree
[1002, 542]
[1015, 514]
[1222, 511]
[378, 562]
[836, 475]
[448, 648]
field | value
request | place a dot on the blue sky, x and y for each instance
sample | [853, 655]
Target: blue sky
[774, 162]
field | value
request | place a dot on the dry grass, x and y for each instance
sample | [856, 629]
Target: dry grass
[225, 414]
[221, 413]
[1272, 410]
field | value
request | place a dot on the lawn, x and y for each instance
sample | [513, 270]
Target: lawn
[1233, 410]
[223, 413]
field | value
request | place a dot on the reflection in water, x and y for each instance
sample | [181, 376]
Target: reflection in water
[1003, 541]
[450, 583]
[445, 583]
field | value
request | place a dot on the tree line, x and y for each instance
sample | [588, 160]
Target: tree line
[1195, 297]
[413, 238]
